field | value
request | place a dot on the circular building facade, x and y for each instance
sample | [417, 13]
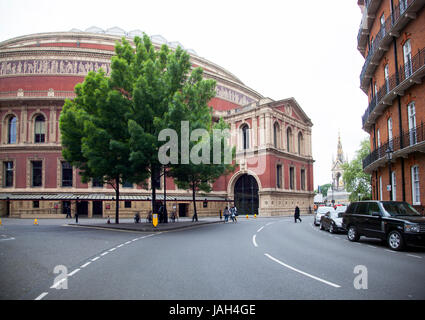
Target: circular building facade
[38, 72]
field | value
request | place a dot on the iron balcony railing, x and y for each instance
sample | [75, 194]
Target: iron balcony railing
[404, 72]
[384, 30]
[359, 34]
[407, 139]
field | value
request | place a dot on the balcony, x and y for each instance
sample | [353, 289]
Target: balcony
[369, 15]
[392, 27]
[406, 76]
[410, 141]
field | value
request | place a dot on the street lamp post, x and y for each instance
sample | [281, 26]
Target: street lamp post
[389, 154]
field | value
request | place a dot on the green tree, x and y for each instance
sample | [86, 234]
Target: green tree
[94, 133]
[199, 176]
[164, 91]
[324, 189]
[357, 182]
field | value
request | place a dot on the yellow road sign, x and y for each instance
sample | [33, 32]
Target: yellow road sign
[155, 219]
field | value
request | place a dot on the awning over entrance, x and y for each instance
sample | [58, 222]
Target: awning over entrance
[104, 197]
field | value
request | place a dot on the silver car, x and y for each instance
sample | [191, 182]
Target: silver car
[321, 211]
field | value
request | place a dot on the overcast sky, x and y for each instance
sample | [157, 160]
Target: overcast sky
[280, 48]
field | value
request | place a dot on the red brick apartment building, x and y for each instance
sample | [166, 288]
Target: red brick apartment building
[38, 72]
[392, 40]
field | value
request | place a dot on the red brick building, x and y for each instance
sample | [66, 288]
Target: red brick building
[392, 40]
[38, 72]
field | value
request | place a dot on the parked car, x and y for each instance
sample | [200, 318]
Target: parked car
[395, 222]
[332, 221]
[321, 211]
[341, 209]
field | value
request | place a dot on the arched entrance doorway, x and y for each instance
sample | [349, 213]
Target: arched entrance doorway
[246, 195]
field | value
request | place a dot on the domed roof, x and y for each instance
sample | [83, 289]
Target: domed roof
[134, 33]
[158, 39]
[116, 31]
[95, 29]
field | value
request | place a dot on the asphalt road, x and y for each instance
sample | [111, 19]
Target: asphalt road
[263, 258]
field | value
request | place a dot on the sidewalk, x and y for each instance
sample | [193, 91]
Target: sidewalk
[127, 225]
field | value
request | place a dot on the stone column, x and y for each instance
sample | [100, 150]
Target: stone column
[234, 135]
[23, 126]
[254, 132]
[262, 131]
[52, 125]
[268, 129]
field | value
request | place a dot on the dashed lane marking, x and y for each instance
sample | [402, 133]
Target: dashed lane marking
[41, 296]
[73, 272]
[253, 240]
[414, 256]
[260, 229]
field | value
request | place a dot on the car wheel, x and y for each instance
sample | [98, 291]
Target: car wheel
[353, 234]
[395, 240]
[331, 228]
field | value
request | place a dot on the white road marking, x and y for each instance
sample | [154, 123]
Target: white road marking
[302, 272]
[113, 249]
[371, 246]
[260, 229]
[94, 259]
[412, 255]
[73, 272]
[85, 265]
[128, 242]
[104, 254]
[4, 238]
[267, 224]
[120, 245]
[253, 240]
[390, 251]
[57, 283]
[41, 296]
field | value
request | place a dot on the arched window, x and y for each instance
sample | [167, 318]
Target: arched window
[289, 139]
[276, 131]
[245, 137]
[11, 130]
[300, 142]
[39, 129]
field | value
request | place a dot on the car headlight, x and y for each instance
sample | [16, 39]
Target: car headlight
[411, 228]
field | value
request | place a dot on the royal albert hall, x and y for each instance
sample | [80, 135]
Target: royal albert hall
[39, 71]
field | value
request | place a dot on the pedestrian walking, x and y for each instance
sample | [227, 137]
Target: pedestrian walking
[68, 212]
[233, 212]
[76, 216]
[297, 214]
[226, 214]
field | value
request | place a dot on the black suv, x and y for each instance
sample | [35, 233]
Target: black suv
[395, 222]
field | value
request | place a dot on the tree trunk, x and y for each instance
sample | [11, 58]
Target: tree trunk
[195, 214]
[165, 197]
[153, 186]
[117, 200]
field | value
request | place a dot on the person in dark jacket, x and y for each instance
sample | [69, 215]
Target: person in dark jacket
[297, 214]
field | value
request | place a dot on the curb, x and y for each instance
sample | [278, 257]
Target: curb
[144, 229]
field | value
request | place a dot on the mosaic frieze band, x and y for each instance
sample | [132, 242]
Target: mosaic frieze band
[82, 67]
[233, 96]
